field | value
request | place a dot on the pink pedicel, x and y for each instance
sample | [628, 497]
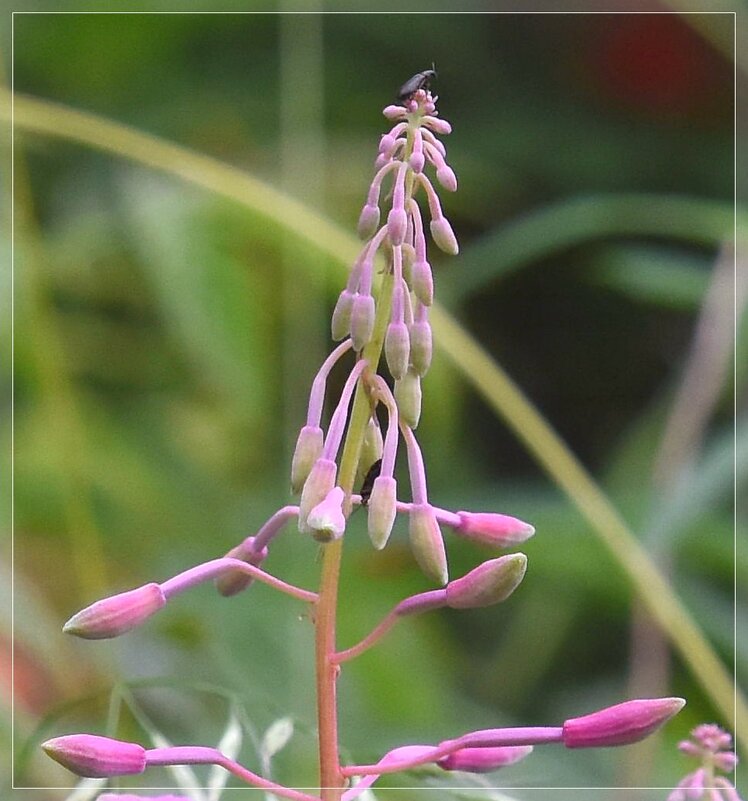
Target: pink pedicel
[622, 724]
[117, 614]
[96, 757]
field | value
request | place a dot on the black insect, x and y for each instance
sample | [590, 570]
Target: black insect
[420, 80]
[371, 474]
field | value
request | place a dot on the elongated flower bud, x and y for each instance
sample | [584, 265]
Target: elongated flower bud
[96, 757]
[397, 224]
[117, 614]
[444, 236]
[326, 520]
[427, 544]
[368, 222]
[362, 321]
[492, 529]
[621, 724]
[397, 349]
[484, 760]
[421, 347]
[233, 582]
[341, 315]
[490, 583]
[382, 510]
[371, 448]
[422, 281]
[408, 396]
[308, 450]
[316, 488]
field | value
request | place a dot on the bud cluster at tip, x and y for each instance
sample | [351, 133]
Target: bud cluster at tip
[712, 747]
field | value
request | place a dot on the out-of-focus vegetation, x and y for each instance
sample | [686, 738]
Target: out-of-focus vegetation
[165, 340]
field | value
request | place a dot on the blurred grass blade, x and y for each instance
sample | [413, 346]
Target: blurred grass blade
[229, 745]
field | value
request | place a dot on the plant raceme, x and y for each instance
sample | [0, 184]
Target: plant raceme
[373, 315]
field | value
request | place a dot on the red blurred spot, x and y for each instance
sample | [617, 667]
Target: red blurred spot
[659, 64]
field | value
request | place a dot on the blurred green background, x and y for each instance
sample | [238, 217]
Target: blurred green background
[165, 340]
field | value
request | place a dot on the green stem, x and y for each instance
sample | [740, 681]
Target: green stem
[330, 777]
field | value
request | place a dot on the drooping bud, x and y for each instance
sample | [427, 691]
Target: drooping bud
[316, 488]
[341, 315]
[307, 451]
[421, 347]
[117, 614]
[409, 256]
[368, 221]
[382, 510]
[235, 581]
[96, 757]
[490, 583]
[371, 448]
[397, 224]
[438, 125]
[484, 760]
[394, 112]
[422, 281]
[427, 544]
[444, 236]
[446, 177]
[397, 349]
[408, 396]
[621, 724]
[326, 520]
[492, 529]
[362, 320]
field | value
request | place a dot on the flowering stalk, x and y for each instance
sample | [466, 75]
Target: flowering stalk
[391, 316]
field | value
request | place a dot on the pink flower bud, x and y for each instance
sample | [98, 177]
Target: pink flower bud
[490, 583]
[484, 760]
[417, 161]
[341, 315]
[368, 222]
[96, 757]
[621, 724]
[421, 347]
[371, 448]
[308, 450]
[397, 224]
[362, 321]
[326, 520]
[397, 349]
[394, 112]
[437, 125]
[422, 282]
[316, 488]
[427, 544]
[408, 396]
[446, 177]
[444, 236]
[117, 614]
[382, 510]
[493, 529]
[234, 581]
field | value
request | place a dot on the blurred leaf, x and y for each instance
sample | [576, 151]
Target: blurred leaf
[276, 738]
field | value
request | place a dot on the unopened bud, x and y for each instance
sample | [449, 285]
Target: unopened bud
[341, 315]
[446, 177]
[394, 112]
[409, 256]
[421, 347]
[427, 544]
[408, 397]
[234, 581]
[484, 760]
[320, 482]
[371, 448]
[444, 236]
[621, 724]
[422, 282]
[368, 221]
[490, 583]
[308, 450]
[492, 529]
[382, 510]
[362, 321]
[117, 614]
[96, 757]
[417, 160]
[326, 520]
[397, 224]
[397, 349]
